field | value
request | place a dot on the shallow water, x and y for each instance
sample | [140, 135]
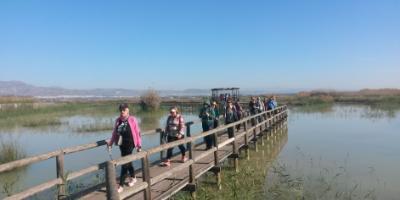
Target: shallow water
[358, 140]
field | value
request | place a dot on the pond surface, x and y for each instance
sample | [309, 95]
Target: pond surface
[358, 143]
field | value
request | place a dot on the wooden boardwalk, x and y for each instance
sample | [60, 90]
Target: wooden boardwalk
[155, 182]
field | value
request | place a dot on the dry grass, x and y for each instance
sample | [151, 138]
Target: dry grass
[150, 100]
[15, 99]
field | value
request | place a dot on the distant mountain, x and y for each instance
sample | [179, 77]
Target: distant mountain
[18, 88]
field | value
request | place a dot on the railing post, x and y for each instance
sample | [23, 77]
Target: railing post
[266, 120]
[246, 142]
[192, 176]
[111, 182]
[162, 141]
[262, 139]
[235, 155]
[188, 134]
[60, 174]
[216, 161]
[217, 168]
[146, 177]
[261, 125]
[246, 139]
[255, 135]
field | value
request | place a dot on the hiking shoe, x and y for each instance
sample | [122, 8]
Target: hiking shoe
[166, 163]
[184, 159]
[120, 189]
[132, 182]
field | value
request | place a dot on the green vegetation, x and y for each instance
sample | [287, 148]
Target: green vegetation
[10, 151]
[315, 181]
[378, 97]
[306, 100]
[50, 115]
[248, 183]
[95, 127]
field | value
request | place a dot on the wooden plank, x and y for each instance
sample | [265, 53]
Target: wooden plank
[27, 161]
[84, 147]
[85, 171]
[130, 191]
[130, 158]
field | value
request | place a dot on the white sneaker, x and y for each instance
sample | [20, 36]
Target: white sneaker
[120, 189]
[132, 182]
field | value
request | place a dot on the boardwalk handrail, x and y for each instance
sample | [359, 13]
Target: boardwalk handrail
[144, 155]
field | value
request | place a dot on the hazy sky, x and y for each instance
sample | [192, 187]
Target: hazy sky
[201, 44]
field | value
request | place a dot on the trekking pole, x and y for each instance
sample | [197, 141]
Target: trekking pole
[109, 149]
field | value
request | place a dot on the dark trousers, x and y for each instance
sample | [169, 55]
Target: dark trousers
[209, 139]
[239, 118]
[253, 120]
[128, 167]
[170, 150]
[216, 123]
[231, 130]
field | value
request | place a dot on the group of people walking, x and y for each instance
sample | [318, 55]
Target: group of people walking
[210, 118]
[257, 105]
[127, 136]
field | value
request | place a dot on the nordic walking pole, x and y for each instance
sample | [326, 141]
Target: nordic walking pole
[109, 149]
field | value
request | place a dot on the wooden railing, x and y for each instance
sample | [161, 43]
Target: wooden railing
[268, 119]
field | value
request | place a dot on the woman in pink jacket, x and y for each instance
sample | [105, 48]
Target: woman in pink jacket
[126, 135]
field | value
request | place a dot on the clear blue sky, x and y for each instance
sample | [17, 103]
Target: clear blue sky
[310, 44]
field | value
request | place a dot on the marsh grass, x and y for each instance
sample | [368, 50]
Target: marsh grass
[104, 125]
[381, 97]
[247, 184]
[10, 151]
[316, 181]
[14, 99]
[51, 115]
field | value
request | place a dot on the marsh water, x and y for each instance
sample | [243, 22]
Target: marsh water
[358, 140]
[351, 149]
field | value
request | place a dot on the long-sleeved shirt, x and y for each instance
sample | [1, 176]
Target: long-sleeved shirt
[175, 125]
[134, 130]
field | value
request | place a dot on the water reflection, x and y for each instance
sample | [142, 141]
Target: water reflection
[360, 139]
